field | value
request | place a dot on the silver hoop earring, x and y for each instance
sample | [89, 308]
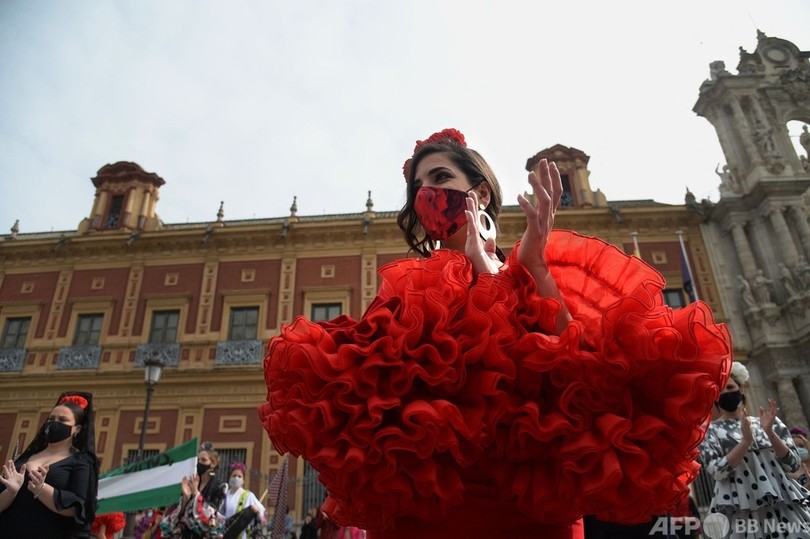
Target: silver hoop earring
[486, 226]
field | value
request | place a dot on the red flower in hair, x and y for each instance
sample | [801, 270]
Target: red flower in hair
[445, 136]
[79, 401]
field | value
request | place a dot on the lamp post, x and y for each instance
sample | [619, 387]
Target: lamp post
[153, 367]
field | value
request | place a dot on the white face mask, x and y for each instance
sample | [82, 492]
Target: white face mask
[236, 481]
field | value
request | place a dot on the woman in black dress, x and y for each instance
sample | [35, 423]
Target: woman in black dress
[50, 490]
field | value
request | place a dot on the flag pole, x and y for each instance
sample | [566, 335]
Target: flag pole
[688, 266]
[636, 250]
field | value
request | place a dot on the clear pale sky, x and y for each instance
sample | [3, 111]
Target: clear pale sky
[253, 102]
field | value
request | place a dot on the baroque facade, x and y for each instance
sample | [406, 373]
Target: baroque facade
[758, 232]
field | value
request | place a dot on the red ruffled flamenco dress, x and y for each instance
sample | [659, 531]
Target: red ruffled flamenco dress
[451, 408]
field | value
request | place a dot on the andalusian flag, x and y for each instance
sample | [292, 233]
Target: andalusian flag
[152, 482]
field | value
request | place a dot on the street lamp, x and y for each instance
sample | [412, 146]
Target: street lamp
[153, 367]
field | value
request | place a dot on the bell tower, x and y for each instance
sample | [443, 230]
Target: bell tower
[126, 196]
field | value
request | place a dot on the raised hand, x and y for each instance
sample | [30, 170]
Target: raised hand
[767, 417]
[187, 488]
[11, 478]
[547, 188]
[481, 255]
[745, 428]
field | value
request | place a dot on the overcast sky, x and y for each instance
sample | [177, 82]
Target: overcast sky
[253, 102]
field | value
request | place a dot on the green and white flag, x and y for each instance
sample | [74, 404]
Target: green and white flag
[152, 482]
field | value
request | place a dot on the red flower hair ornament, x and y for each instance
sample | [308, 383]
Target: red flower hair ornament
[445, 136]
[79, 401]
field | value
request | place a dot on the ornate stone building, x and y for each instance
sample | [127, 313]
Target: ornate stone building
[83, 309]
[758, 232]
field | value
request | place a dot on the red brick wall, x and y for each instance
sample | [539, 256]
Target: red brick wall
[44, 288]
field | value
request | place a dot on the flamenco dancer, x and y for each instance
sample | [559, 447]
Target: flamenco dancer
[482, 395]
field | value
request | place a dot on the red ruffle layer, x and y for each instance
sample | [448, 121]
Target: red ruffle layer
[113, 522]
[449, 376]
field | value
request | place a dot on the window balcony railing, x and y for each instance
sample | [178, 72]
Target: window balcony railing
[79, 357]
[248, 352]
[12, 359]
[168, 352]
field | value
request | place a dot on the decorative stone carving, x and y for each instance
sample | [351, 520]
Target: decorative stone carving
[796, 82]
[804, 140]
[762, 288]
[802, 271]
[749, 63]
[717, 69]
[763, 136]
[248, 352]
[728, 179]
[788, 281]
[12, 359]
[79, 357]
[747, 294]
[169, 353]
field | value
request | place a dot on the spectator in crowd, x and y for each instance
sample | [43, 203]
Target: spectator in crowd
[749, 459]
[50, 489]
[196, 516]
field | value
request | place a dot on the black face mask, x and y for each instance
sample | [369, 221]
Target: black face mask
[730, 401]
[202, 468]
[56, 431]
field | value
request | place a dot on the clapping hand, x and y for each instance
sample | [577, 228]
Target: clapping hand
[767, 417]
[36, 479]
[188, 486]
[745, 428]
[547, 188]
[481, 255]
[11, 478]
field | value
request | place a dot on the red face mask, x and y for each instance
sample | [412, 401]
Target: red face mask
[440, 211]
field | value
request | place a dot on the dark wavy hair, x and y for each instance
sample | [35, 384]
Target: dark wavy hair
[474, 167]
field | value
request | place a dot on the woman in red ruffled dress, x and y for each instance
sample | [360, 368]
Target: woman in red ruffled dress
[483, 396]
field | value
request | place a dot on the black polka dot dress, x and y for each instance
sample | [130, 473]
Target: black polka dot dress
[758, 497]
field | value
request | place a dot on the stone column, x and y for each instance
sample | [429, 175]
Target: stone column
[804, 396]
[783, 238]
[802, 227]
[748, 137]
[790, 408]
[749, 266]
[100, 208]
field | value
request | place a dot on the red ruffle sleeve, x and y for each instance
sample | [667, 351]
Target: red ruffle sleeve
[447, 375]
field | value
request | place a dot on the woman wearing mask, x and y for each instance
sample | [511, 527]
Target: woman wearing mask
[50, 490]
[802, 475]
[238, 500]
[749, 459]
[196, 516]
[486, 395]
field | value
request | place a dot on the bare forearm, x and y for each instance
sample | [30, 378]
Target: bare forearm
[736, 455]
[778, 445]
[547, 288]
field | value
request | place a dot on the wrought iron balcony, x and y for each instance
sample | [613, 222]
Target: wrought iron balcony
[248, 352]
[12, 359]
[168, 352]
[79, 357]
